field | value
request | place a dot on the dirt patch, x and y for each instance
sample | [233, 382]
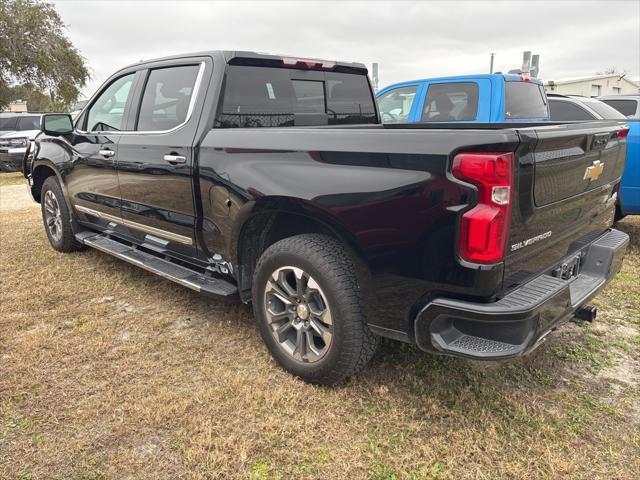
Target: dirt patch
[15, 197]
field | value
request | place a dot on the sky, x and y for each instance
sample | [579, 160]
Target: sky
[408, 39]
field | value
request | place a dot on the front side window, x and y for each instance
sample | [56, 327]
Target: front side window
[563, 111]
[107, 112]
[166, 98]
[395, 105]
[625, 107]
[451, 102]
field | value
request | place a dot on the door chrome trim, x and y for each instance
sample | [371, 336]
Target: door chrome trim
[138, 226]
[192, 104]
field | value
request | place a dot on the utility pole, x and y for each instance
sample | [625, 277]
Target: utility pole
[491, 62]
[374, 76]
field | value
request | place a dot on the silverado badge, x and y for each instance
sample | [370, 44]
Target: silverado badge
[594, 171]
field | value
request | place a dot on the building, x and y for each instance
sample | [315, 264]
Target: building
[593, 86]
[17, 106]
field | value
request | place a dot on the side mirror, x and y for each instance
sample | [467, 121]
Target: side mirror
[56, 124]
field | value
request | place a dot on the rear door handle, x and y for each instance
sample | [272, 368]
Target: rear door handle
[107, 153]
[175, 159]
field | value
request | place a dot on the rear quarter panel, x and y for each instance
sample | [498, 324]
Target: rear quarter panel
[376, 187]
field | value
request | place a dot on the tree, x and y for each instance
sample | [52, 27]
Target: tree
[36, 53]
[613, 71]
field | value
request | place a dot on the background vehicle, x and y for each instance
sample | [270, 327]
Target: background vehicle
[576, 108]
[629, 105]
[469, 98]
[467, 240]
[15, 133]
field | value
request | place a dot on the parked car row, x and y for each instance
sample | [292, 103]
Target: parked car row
[16, 131]
[500, 98]
[625, 108]
[467, 239]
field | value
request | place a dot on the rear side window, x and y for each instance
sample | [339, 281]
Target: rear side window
[451, 102]
[563, 111]
[605, 111]
[627, 108]
[28, 123]
[166, 98]
[525, 100]
[280, 97]
[395, 105]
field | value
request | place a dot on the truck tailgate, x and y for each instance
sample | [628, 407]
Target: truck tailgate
[567, 176]
[573, 159]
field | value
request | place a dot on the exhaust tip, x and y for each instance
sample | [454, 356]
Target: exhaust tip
[586, 313]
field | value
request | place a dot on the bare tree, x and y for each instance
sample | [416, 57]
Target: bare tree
[613, 71]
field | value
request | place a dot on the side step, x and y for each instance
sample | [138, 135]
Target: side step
[192, 279]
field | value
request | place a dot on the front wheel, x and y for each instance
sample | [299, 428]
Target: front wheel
[56, 217]
[309, 306]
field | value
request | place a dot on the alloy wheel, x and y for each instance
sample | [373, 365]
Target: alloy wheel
[53, 215]
[298, 314]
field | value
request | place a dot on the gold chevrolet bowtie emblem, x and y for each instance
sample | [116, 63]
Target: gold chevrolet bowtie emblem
[594, 171]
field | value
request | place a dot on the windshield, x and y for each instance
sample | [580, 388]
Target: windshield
[8, 124]
[28, 123]
[282, 97]
[525, 100]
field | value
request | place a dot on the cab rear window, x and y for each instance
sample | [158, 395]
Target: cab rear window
[525, 100]
[282, 97]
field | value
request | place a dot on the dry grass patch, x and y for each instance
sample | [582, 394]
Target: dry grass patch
[107, 371]
[12, 178]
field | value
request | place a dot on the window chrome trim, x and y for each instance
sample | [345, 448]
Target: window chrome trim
[138, 226]
[192, 105]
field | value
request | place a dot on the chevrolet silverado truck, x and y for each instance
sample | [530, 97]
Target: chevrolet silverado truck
[271, 180]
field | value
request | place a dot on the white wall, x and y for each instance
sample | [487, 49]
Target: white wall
[586, 87]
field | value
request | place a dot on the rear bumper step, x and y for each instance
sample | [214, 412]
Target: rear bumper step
[518, 322]
[211, 286]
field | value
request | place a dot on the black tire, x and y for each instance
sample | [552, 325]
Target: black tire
[61, 235]
[619, 215]
[334, 270]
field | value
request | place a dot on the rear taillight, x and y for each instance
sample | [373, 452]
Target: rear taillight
[484, 230]
[622, 133]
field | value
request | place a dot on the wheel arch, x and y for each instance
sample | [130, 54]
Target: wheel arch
[40, 172]
[271, 219]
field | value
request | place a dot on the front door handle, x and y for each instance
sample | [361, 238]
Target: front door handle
[107, 153]
[175, 159]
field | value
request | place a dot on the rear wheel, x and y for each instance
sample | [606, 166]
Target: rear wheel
[57, 218]
[309, 307]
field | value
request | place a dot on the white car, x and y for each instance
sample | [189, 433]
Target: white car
[14, 142]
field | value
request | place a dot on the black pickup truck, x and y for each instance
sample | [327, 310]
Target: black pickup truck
[270, 180]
